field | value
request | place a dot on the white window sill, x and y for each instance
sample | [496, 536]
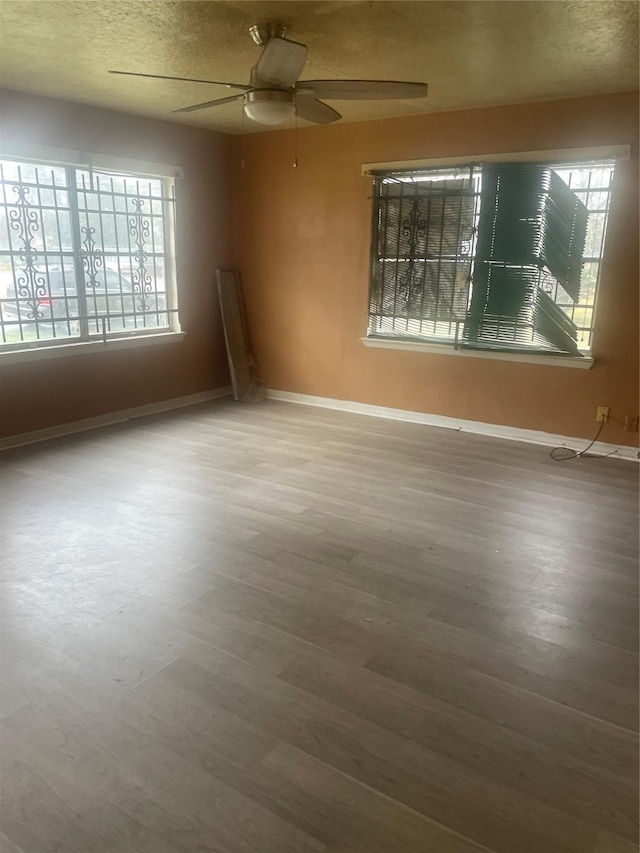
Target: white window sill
[581, 362]
[84, 347]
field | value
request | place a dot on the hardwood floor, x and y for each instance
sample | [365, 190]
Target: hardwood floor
[279, 629]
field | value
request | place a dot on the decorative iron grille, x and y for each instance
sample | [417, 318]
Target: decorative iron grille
[83, 254]
[489, 256]
[424, 227]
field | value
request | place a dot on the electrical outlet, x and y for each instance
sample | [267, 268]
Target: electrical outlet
[631, 423]
[602, 415]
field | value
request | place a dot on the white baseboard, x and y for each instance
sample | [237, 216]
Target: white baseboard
[111, 418]
[533, 436]
[496, 430]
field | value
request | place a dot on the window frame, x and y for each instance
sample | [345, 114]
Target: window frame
[70, 159]
[416, 343]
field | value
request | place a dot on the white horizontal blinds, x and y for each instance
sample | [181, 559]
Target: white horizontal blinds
[422, 248]
[591, 183]
[531, 234]
[49, 155]
[560, 159]
[492, 255]
[564, 235]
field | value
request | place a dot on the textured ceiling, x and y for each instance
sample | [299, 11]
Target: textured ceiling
[471, 53]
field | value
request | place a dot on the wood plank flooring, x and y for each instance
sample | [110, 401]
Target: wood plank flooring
[280, 629]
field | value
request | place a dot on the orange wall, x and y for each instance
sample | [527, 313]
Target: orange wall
[47, 392]
[302, 243]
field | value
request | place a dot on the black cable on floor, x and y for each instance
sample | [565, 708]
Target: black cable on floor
[576, 454]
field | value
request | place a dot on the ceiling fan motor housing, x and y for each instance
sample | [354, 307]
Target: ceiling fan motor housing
[263, 33]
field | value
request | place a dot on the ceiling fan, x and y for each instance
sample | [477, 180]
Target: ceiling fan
[274, 93]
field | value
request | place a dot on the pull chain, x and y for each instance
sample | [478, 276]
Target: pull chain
[243, 146]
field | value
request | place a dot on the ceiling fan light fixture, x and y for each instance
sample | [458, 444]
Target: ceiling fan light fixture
[269, 106]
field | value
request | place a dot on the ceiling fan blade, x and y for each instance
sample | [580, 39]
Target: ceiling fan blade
[185, 79]
[208, 104]
[313, 110]
[362, 89]
[281, 62]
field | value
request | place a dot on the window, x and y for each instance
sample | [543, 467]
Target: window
[495, 256]
[84, 255]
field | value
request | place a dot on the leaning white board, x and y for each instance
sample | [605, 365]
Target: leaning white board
[246, 385]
